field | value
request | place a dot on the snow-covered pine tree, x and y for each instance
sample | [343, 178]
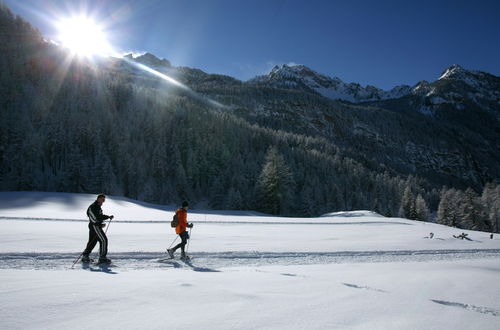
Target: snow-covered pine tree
[447, 211]
[275, 184]
[471, 214]
[421, 208]
[408, 209]
[490, 200]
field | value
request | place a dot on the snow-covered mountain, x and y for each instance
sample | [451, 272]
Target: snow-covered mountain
[456, 87]
[185, 75]
[150, 60]
[453, 86]
[300, 76]
[459, 88]
[474, 78]
[461, 110]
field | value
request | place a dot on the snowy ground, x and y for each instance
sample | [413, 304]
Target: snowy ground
[354, 270]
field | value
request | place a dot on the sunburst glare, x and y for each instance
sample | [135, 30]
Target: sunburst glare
[83, 37]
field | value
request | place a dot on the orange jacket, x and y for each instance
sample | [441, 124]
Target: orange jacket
[182, 215]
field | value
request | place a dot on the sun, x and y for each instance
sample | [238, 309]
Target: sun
[82, 36]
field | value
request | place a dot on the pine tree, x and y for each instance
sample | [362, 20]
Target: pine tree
[421, 209]
[234, 200]
[447, 209]
[408, 209]
[305, 205]
[275, 184]
[490, 200]
[472, 216]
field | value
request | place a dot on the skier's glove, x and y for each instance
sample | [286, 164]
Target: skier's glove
[190, 225]
[103, 225]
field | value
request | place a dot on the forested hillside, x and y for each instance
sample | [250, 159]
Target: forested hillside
[74, 125]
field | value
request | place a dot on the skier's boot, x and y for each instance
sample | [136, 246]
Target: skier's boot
[104, 260]
[170, 253]
[184, 256]
[86, 259]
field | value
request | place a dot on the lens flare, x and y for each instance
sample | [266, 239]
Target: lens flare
[174, 82]
[83, 36]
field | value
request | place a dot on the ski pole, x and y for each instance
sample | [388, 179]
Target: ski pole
[81, 254]
[175, 239]
[187, 248]
[74, 263]
[109, 223]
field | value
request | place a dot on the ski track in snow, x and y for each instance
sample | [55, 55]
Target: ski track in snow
[363, 287]
[220, 222]
[214, 261]
[482, 310]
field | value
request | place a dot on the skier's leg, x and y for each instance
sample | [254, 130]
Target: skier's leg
[184, 238]
[103, 242]
[183, 242]
[92, 241]
[176, 247]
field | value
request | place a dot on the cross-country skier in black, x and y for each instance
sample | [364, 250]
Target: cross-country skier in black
[181, 231]
[96, 217]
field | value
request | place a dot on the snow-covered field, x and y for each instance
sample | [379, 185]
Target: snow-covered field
[351, 270]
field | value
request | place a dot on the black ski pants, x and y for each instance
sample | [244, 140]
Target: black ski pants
[184, 238]
[96, 234]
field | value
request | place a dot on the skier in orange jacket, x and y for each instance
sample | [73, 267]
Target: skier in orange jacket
[181, 230]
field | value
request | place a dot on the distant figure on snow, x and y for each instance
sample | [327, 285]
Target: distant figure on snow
[181, 230]
[463, 236]
[491, 236]
[431, 235]
[96, 217]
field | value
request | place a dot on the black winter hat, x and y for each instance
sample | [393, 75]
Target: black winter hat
[185, 203]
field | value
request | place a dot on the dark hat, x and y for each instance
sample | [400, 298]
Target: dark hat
[185, 203]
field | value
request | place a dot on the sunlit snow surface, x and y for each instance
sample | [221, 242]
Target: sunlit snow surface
[345, 270]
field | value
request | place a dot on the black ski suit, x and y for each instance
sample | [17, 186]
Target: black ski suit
[94, 212]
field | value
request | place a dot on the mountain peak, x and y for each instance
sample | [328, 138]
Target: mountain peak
[298, 76]
[292, 71]
[483, 82]
[150, 60]
[454, 72]
[301, 76]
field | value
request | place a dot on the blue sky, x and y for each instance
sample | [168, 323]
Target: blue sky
[381, 43]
